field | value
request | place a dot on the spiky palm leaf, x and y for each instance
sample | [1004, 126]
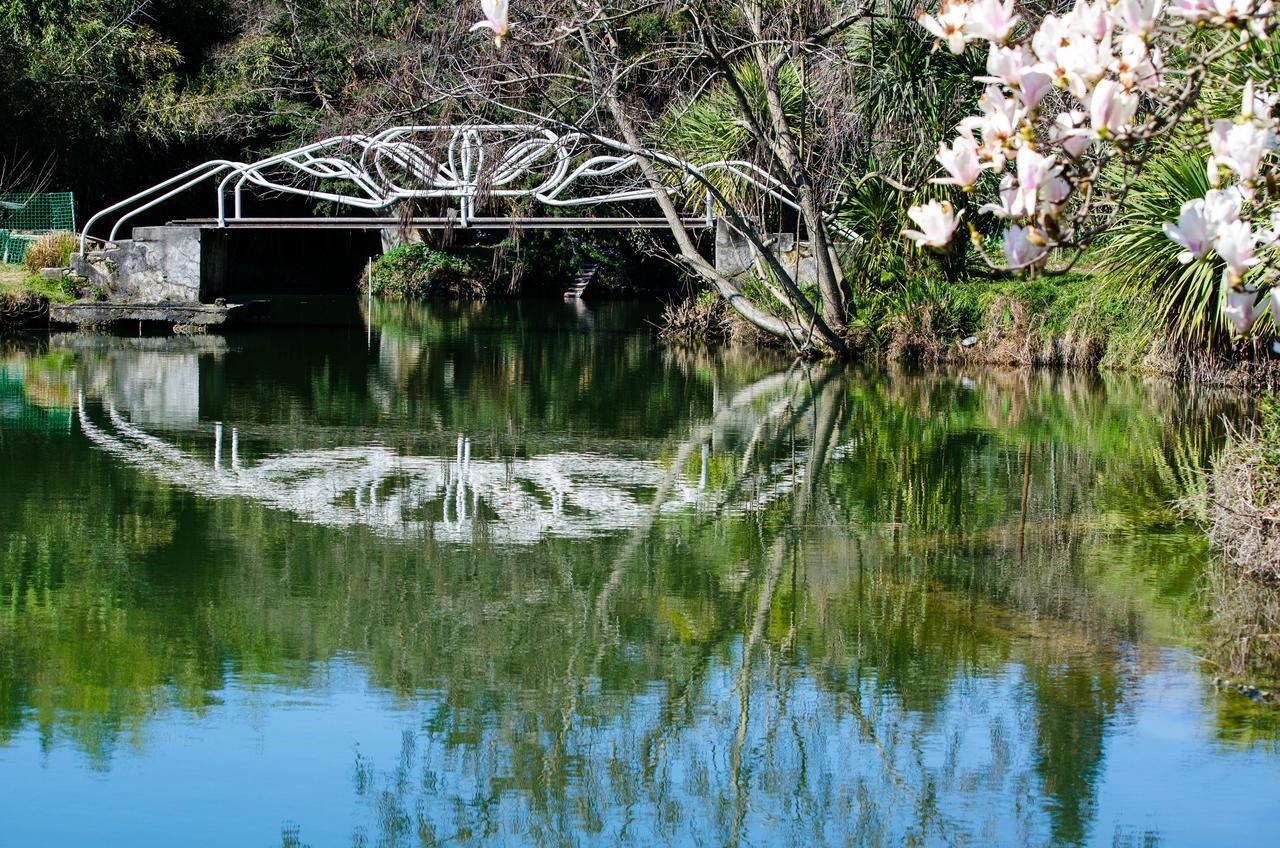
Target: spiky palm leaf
[1139, 258]
[713, 127]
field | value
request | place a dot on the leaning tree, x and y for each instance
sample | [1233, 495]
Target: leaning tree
[629, 74]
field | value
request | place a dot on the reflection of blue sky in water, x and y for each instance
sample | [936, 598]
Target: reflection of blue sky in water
[327, 757]
[762, 606]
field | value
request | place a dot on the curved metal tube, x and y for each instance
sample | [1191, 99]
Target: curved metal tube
[379, 164]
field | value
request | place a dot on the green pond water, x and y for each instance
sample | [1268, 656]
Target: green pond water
[517, 574]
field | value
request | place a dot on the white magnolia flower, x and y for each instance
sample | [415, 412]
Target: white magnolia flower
[1223, 206]
[949, 25]
[1192, 10]
[1054, 193]
[1024, 247]
[1215, 11]
[1069, 131]
[1111, 108]
[1136, 64]
[495, 18]
[1052, 35]
[1006, 65]
[1238, 148]
[1009, 199]
[998, 125]
[1201, 220]
[1270, 236]
[1090, 20]
[1072, 58]
[1241, 312]
[1233, 241]
[1256, 104]
[991, 20]
[1032, 86]
[1137, 17]
[961, 162]
[937, 221]
[1193, 231]
[1034, 174]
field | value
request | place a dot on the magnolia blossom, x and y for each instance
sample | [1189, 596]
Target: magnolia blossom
[991, 20]
[1238, 148]
[1111, 108]
[1234, 242]
[998, 124]
[1074, 50]
[1023, 246]
[1241, 311]
[1256, 104]
[1139, 18]
[937, 221]
[1032, 86]
[949, 25]
[1054, 193]
[1068, 132]
[495, 18]
[1270, 236]
[1222, 206]
[1201, 220]
[1034, 173]
[960, 161]
[1193, 231]
[1006, 65]
[1136, 65]
[1102, 56]
[1216, 11]
[1091, 19]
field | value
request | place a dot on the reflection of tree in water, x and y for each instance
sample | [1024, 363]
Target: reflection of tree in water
[906, 638]
[850, 634]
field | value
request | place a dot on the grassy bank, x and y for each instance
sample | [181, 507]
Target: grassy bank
[25, 297]
[1077, 320]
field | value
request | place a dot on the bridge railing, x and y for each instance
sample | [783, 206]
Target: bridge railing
[467, 163]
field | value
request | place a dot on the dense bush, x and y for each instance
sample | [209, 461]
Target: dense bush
[417, 272]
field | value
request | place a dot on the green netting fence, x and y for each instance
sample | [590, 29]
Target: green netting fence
[25, 216]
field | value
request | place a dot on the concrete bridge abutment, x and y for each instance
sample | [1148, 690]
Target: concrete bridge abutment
[169, 264]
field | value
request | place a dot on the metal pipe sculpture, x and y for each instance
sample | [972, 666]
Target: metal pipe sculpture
[468, 163]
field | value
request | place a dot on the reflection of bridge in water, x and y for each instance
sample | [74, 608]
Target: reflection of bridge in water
[459, 498]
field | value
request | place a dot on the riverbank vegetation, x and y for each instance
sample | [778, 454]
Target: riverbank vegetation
[850, 108]
[1240, 508]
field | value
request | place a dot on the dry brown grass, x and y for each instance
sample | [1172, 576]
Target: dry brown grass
[694, 320]
[1243, 504]
[50, 251]
[1240, 509]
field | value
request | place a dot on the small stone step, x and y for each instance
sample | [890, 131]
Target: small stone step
[586, 274]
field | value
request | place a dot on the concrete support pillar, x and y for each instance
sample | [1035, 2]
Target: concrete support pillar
[161, 265]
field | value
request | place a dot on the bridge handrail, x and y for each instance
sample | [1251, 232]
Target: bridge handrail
[212, 167]
[368, 162]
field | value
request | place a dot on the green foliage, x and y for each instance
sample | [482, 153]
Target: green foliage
[914, 95]
[416, 272]
[713, 127]
[1139, 259]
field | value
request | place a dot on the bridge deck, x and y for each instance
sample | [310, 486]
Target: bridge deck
[615, 223]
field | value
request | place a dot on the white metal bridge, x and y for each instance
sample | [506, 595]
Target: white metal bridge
[470, 164]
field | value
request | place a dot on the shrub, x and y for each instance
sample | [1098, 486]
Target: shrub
[51, 251]
[417, 272]
[695, 320]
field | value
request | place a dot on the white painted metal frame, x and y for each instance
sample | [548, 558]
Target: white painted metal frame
[472, 161]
